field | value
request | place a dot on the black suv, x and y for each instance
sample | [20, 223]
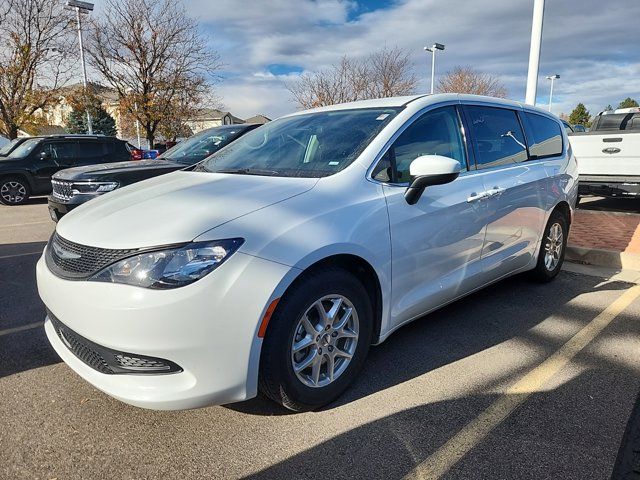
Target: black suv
[28, 168]
[75, 186]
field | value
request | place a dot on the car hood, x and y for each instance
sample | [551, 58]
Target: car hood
[89, 172]
[174, 208]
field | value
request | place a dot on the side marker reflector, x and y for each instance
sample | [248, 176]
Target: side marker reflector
[267, 316]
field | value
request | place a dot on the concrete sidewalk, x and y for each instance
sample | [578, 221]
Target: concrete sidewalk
[608, 239]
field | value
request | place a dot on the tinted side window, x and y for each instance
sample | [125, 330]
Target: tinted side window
[544, 135]
[437, 132]
[60, 150]
[498, 135]
[91, 149]
[117, 148]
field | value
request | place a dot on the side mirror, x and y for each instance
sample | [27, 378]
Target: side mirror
[44, 155]
[430, 170]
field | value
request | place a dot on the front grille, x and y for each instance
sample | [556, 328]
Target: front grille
[62, 190]
[72, 260]
[106, 360]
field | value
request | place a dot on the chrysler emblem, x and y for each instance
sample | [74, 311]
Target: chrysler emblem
[64, 254]
[611, 150]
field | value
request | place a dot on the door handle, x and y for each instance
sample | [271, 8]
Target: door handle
[495, 191]
[474, 197]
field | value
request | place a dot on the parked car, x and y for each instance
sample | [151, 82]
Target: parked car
[28, 168]
[74, 186]
[579, 128]
[609, 154]
[275, 263]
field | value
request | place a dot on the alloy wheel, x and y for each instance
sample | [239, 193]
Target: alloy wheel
[325, 340]
[553, 247]
[13, 192]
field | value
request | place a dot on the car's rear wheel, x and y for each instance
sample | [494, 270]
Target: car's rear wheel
[14, 191]
[552, 248]
[317, 340]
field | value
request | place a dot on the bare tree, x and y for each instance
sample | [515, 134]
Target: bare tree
[33, 48]
[385, 73]
[154, 56]
[390, 73]
[467, 80]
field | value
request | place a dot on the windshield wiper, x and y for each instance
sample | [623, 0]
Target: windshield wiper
[247, 171]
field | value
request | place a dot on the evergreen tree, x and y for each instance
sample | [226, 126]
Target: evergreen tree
[580, 116]
[628, 103]
[101, 121]
[608, 108]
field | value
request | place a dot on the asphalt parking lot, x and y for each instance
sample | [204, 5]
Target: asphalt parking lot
[520, 380]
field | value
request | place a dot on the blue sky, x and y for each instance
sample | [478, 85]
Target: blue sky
[265, 44]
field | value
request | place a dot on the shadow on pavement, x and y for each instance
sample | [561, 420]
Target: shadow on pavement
[468, 326]
[545, 437]
[629, 205]
[20, 305]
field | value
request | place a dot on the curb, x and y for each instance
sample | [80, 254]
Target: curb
[603, 258]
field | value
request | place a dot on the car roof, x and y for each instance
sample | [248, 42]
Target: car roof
[424, 100]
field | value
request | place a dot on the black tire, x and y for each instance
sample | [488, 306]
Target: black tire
[14, 191]
[277, 379]
[542, 272]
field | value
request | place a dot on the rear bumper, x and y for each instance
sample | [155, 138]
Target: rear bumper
[609, 186]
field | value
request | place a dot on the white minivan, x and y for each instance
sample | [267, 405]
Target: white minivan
[275, 263]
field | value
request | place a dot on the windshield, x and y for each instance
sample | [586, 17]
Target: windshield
[9, 146]
[25, 148]
[203, 144]
[308, 145]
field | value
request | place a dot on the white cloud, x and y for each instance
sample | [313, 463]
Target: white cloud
[591, 44]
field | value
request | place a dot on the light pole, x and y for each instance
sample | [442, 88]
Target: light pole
[432, 49]
[82, 7]
[552, 78]
[135, 109]
[534, 51]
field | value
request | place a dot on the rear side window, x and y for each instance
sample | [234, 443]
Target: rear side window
[498, 135]
[91, 149]
[117, 147]
[544, 135]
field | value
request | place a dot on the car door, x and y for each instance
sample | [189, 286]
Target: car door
[49, 157]
[436, 243]
[516, 188]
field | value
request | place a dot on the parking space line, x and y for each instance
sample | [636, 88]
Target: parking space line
[41, 222]
[20, 255]
[22, 328]
[443, 459]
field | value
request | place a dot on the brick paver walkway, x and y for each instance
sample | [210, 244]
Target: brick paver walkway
[606, 230]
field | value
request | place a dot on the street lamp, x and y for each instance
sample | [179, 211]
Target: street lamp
[552, 78]
[84, 8]
[432, 49]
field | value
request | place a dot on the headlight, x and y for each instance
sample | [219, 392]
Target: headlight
[170, 268]
[93, 187]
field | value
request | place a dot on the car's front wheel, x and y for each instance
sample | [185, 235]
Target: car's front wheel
[317, 340]
[13, 191]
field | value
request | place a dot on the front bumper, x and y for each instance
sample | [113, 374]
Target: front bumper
[59, 208]
[208, 328]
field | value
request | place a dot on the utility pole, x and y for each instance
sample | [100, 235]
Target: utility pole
[534, 52]
[82, 7]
